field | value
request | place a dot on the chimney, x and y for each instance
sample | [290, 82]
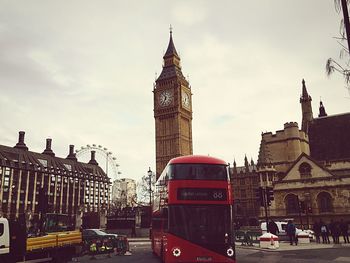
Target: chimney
[71, 155]
[48, 150]
[21, 145]
[93, 160]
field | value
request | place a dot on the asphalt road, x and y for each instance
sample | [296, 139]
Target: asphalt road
[141, 253]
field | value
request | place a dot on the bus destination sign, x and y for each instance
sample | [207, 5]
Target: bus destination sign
[208, 194]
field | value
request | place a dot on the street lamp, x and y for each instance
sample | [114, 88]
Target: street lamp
[149, 173]
[307, 198]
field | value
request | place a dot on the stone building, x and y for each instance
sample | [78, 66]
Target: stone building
[277, 152]
[312, 166]
[308, 169]
[172, 111]
[245, 181]
[71, 187]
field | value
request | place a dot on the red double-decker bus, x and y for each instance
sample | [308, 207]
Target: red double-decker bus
[192, 212]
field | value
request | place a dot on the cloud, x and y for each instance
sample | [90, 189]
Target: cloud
[189, 13]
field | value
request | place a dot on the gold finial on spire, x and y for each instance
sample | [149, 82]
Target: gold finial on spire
[171, 29]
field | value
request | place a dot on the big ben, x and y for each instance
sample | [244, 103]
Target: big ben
[172, 110]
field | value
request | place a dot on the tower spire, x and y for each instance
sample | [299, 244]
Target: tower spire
[171, 66]
[171, 50]
[306, 108]
[305, 95]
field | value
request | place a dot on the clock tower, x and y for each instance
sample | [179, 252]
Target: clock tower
[172, 110]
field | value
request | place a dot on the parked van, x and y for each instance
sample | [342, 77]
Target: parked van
[282, 227]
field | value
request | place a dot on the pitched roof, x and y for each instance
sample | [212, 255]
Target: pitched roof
[329, 137]
[23, 159]
[171, 70]
[171, 50]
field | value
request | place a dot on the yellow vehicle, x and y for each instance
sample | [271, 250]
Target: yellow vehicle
[57, 243]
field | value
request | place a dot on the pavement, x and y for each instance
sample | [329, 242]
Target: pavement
[285, 246]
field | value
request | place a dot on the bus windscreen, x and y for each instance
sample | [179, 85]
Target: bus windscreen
[207, 226]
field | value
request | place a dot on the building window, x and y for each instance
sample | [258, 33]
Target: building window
[305, 170]
[6, 181]
[324, 201]
[291, 202]
[243, 193]
[43, 162]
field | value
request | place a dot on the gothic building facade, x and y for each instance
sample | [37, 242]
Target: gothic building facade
[312, 179]
[308, 169]
[70, 186]
[245, 180]
[172, 111]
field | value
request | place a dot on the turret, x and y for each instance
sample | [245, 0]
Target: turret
[322, 110]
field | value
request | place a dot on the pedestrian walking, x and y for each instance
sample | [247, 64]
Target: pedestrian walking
[133, 231]
[336, 232]
[291, 229]
[317, 230]
[324, 233]
[344, 230]
[332, 230]
[273, 228]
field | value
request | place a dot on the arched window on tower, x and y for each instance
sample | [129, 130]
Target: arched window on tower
[291, 202]
[324, 202]
[305, 170]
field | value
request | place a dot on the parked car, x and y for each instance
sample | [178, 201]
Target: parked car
[120, 242]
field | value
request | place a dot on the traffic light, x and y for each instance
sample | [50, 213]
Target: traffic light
[269, 195]
[302, 207]
[259, 192]
[309, 210]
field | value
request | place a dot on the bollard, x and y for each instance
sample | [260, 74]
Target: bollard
[303, 238]
[269, 240]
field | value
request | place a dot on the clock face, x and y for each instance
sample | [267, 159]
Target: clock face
[165, 98]
[185, 99]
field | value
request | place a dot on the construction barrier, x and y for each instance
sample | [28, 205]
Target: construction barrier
[303, 238]
[269, 240]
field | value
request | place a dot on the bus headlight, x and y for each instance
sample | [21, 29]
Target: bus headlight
[176, 252]
[230, 252]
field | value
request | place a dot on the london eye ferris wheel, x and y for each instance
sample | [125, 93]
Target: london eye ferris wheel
[103, 156]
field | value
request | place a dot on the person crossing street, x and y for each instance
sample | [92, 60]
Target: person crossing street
[291, 229]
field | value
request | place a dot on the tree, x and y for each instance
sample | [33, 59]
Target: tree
[144, 190]
[332, 65]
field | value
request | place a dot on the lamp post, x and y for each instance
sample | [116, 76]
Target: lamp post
[300, 203]
[149, 173]
[307, 205]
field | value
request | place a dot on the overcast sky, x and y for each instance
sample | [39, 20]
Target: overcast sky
[82, 72]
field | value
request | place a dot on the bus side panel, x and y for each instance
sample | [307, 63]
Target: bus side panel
[190, 252]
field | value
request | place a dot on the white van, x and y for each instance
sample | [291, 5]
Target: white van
[282, 227]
